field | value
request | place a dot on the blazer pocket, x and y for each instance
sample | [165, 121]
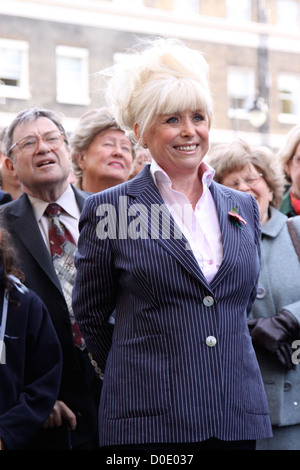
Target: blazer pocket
[137, 382]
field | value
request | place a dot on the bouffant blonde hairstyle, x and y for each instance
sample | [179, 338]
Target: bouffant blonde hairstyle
[161, 76]
[235, 156]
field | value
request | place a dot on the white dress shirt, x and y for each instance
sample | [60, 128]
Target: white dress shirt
[69, 217]
[200, 226]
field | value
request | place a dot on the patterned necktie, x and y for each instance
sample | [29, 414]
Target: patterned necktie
[63, 247]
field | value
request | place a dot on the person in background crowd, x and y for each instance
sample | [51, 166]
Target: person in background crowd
[289, 155]
[10, 185]
[179, 368]
[142, 158]
[30, 356]
[276, 311]
[101, 151]
[45, 236]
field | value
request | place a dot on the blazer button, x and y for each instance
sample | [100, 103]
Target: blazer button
[211, 341]
[261, 293]
[287, 386]
[208, 301]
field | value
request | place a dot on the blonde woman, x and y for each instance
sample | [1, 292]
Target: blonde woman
[179, 368]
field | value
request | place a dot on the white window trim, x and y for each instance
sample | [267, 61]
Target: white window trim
[131, 4]
[21, 92]
[241, 113]
[290, 21]
[284, 118]
[77, 53]
[244, 11]
[289, 118]
[187, 7]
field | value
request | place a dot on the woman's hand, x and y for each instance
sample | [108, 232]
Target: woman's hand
[60, 413]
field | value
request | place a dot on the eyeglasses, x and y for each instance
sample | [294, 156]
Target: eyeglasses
[29, 144]
[250, 181]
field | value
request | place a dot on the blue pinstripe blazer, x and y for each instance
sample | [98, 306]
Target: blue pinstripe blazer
[162, 381]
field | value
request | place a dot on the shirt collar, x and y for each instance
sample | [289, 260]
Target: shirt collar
[206, 172]
[67, 201]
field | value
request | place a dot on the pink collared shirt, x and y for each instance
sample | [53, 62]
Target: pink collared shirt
[200, 226]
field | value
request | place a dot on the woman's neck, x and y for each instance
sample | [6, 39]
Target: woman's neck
[191, 187]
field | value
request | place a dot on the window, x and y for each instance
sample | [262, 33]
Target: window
[239, 10]
[188, 6]
[288, 14]
[289, 98]
[241, 90]
[14, 69]
[72, 75]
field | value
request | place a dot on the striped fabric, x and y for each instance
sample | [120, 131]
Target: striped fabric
[162, 381]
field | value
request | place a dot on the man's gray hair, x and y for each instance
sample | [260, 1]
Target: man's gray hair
[30, 115]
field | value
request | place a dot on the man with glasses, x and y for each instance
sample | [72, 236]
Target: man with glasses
[37, 147]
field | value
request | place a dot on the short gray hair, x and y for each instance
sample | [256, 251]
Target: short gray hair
[227, 158]
[30, 115]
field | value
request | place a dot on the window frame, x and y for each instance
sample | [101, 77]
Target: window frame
[82, 54]
[248, 96]
[293, 117]
[284, 20]
[244, 13]
[21, 91]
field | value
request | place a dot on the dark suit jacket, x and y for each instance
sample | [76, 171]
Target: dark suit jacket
[4, 197]
[179, 363]
[79, 382]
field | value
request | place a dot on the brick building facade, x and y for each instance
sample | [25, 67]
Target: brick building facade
[51, 51]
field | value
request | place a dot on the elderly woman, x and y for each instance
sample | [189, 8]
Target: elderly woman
[289, 155]
[101, 151]
[276, 311]
[176, 257]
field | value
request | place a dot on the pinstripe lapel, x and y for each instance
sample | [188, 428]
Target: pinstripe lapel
[144, 191]
[231, 234]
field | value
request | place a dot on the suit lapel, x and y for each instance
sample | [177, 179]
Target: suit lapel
[80, 196]
[25, 226]
[231, 234]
